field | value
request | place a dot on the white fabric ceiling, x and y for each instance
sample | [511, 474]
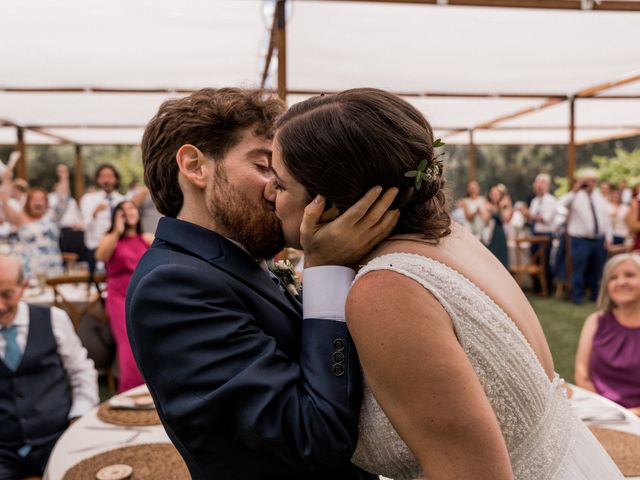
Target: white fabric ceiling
[331, 46]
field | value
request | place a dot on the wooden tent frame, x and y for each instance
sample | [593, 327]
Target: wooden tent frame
[278, 44]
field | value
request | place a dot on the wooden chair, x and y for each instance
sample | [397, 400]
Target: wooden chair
[78, 309]
[528, 264]
[75, 310]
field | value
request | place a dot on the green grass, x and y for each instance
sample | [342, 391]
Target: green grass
[562, 322]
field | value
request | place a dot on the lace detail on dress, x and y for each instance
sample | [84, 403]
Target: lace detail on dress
[535, 418]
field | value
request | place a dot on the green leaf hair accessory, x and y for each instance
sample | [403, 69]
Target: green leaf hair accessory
[426, 173]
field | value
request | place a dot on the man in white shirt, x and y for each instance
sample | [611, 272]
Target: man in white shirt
[46, 378]
[541, 215]
[97, 207]
[589, 226]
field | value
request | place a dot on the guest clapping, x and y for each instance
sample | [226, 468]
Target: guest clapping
[121, 249]
[608, 358]
[37, 231]
[70, 221]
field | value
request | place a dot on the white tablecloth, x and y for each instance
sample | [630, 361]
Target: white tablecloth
[89, 436]
[74, 293]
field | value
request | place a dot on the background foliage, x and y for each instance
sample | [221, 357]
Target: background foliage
[514, 165]
[42, 160]
[517, 165]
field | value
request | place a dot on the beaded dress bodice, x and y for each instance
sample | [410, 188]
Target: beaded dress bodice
[534, 415]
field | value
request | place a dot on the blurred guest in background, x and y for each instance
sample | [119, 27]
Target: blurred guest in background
[588, 226]
[70, 224]
[496, 215]
[474, 205]
[97, 208]
[633, 221]
[19, 193]
[37, 232]
[121, 249]
[541, 215]
[626, 193]
[46, 379]
[618, 212]
[608, 358]
[149, 214]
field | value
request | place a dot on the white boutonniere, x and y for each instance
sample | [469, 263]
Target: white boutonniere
[286, 273]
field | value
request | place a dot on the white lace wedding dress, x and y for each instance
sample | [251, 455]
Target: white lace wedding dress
[544, 439]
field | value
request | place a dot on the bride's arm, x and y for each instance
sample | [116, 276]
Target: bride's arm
[423, 380]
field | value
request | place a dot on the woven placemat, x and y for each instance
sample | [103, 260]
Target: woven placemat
[623, 447]
[150, 461]
[126, 417]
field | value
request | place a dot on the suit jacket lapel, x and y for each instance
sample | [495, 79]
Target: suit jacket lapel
[221, 253]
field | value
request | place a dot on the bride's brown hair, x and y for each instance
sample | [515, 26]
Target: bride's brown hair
[342, 145]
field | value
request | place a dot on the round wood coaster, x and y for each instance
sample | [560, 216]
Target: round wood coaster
[118, 471]
[129, 418]
[150, 461]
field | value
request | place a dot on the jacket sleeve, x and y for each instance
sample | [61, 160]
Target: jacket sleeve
[212, 367]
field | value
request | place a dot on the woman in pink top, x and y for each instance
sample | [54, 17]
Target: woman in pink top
[120, 249]
[608, 358]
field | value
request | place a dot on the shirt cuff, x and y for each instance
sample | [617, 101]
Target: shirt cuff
[79, 407]
[325, 291]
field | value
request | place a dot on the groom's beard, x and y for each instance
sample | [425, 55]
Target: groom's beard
[254, 225]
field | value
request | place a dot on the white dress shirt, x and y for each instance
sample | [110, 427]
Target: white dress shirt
[325, 289]
[96, 227]
[82, 375]
[581, 222]
[70, 215]
[619, 219]
[544, 206]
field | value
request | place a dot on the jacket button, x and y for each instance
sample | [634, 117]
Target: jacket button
[338, 344]
[337, 357]
[338, 369]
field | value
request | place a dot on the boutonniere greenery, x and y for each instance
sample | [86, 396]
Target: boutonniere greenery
[286, 273]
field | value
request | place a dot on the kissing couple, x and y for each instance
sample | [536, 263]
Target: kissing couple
[414, 353]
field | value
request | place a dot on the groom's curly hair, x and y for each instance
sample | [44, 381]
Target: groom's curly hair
[342, 145]
[210, 119]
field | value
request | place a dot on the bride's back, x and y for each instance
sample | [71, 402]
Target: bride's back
[462, 252]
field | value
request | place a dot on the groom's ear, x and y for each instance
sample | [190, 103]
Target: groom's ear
[192, 164]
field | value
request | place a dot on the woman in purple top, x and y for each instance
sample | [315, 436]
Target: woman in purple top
[120, 249]
[608, 358]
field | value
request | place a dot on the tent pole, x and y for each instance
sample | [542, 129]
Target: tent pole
[571, 148]
[21, 166]
[79, 173]
[471, 169]
[281, 41]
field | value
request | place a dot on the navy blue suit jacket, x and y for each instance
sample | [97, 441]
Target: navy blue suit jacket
[245, 388]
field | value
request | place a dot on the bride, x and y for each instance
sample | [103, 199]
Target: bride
[459, 377]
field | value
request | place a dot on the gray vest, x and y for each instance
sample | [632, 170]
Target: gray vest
[35, 399]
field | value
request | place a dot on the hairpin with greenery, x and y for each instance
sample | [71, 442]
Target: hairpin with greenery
[426, 172]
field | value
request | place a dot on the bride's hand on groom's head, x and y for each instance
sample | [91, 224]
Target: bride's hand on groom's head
[350, 236]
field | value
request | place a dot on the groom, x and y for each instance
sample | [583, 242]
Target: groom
[246, 388]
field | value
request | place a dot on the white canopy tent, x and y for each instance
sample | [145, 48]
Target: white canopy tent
[94, 73]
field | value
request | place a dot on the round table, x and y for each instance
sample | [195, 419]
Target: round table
[89, 436]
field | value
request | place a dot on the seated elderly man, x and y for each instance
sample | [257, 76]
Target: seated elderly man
[46, 378]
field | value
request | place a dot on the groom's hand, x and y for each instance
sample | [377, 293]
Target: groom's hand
[350, 236]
